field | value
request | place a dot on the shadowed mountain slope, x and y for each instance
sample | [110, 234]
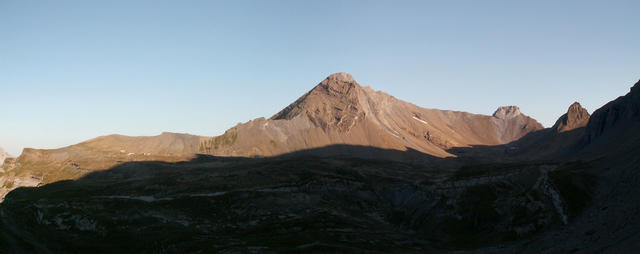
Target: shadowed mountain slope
[610, 222]
[608, 131]
[562, 139]
[614, 124]
[291, 203]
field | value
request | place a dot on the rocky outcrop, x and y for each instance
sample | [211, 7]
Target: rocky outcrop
[576, 117]
[9, 179]
[512, 124]
[507, 112]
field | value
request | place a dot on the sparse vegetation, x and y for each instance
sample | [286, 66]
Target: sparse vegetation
[227, 139]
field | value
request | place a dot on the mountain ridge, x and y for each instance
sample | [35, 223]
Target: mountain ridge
[340, 111]
[424, 180]
[623, 110]
[337, 111]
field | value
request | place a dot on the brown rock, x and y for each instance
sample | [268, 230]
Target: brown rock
[576, 117]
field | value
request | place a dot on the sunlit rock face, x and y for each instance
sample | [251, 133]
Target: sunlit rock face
[3, 155]
[507, 112]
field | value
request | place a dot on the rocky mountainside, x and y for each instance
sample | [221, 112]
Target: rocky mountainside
[515, 124]
[610, 221]
[577, 134]
[562, 139]
[614, 124]
[340, 111]
[35, 167]
[342, 169]
[576, 117]
[100, 152]
[336, 111]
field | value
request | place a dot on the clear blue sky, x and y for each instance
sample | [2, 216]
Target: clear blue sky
[74, 70]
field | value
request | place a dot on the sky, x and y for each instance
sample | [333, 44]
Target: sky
[75, 70]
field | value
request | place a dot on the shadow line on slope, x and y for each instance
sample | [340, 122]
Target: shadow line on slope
[149, 182]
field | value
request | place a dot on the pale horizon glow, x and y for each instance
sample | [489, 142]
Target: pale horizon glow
[74, 70]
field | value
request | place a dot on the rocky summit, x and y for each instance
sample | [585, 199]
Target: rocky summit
[507, 112]
[343, 169]
[576, 117]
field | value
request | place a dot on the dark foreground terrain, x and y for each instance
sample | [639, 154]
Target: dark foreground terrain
[298, 204]
[315, 204]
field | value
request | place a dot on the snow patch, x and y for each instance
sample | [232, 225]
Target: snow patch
[420, 120]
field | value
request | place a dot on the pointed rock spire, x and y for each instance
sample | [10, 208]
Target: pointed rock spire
[576, 117]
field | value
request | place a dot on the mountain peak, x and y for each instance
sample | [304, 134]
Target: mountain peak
[336, 85]
[507, 112]
[577, 109]
[576, 117]
[342, 77]
[333, 102]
